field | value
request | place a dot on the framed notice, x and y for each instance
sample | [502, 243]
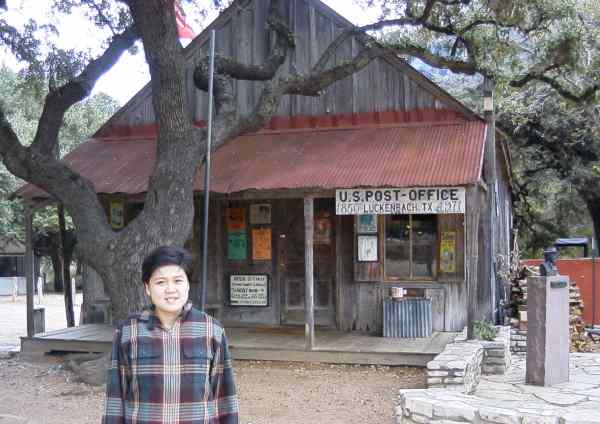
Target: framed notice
[249, 290]
[236, 219]
[237, 245]
[367, 248]
[260, 213]
[448, 252]
[261, 244]
[322, 231]
[366, 224]
[117, 215]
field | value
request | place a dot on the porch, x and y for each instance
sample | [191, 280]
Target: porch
[273, 344]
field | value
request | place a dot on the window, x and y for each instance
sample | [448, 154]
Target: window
[411, 246]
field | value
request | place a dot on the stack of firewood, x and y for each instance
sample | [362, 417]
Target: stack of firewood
[517, 311]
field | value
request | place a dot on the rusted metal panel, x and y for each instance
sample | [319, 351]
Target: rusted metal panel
[399, 156]
[419, 154]
[410, 318]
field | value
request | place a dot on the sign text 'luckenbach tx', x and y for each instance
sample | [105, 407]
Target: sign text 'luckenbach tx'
[398, 201]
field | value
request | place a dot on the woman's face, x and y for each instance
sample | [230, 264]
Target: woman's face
[168, 288]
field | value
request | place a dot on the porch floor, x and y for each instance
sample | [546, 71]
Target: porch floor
[274, 344]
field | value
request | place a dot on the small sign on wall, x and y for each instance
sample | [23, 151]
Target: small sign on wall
[249, 290]
[367, 248]
[260, 213]
[261, 244]
[117, 215]
[236, 219]
[237, 245]
[366, 224]
[448, 252]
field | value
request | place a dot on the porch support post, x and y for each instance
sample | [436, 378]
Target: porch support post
[488, 217]
[29, 264]
[309, 325]
[473, 208]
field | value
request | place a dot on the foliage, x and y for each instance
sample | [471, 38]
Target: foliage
[23, 103]
[484, 330]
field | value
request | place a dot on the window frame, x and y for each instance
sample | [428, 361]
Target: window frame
[433, 278]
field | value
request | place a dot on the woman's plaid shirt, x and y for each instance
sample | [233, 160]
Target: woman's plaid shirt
[182, 375]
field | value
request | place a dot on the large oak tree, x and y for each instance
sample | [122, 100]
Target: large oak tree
[466, 36]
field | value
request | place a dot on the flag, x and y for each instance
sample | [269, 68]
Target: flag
[183, 29]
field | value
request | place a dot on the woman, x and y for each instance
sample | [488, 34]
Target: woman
[171, 363]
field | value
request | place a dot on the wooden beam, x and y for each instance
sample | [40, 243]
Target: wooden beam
[490, 176]
[29, 274]
[309, 273]
[472, 212]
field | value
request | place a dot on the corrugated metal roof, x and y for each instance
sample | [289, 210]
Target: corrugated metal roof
[419, 154]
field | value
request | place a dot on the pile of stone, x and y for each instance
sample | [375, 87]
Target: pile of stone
[517, 313]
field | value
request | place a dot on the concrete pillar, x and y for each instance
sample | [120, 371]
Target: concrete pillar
[548, 338]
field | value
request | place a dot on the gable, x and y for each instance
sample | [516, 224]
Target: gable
[384, 85]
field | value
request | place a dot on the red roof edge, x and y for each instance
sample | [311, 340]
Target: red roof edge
[315, 121]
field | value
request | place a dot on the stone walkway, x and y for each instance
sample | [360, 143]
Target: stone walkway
[507, 399]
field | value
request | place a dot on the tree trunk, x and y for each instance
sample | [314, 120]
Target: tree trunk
[592, 201]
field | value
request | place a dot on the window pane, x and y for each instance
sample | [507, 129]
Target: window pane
[424, 228]
[397, 246]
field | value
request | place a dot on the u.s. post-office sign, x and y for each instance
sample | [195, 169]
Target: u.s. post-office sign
[400, 201]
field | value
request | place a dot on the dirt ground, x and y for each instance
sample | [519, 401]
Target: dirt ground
[270, 392]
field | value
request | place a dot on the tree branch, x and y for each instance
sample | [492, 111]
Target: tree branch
[58, 101]
[579, 98]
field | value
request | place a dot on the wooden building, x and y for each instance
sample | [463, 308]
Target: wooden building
[375, 184]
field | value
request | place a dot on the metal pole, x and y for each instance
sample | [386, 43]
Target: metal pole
[29, 273]
[207, 171]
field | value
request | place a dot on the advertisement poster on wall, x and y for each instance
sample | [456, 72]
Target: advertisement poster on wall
[448, 252]
[236, 219]
[261, 244]
[237, 245]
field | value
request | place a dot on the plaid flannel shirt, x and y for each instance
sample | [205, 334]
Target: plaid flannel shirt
[182, 375]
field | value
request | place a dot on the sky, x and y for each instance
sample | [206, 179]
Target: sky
[130, 74]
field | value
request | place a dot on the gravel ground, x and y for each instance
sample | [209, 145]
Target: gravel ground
[270, 392]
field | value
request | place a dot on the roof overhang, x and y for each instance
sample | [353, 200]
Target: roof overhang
[419, 154]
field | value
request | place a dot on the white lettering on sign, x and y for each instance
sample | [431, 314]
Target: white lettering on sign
[400, 201]
[249, 290]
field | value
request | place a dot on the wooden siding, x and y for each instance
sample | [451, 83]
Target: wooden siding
[380, 86]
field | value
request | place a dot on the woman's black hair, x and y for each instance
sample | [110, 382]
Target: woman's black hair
[166, 255]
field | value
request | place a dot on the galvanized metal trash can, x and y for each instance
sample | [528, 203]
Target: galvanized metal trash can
[408, 317]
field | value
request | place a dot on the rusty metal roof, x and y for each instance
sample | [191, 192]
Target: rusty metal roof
[414, 154]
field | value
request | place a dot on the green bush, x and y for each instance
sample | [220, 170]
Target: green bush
[484, 330]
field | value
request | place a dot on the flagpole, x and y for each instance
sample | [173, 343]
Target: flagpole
[207, 171]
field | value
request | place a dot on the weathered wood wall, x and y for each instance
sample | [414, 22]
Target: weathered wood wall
[240, 33]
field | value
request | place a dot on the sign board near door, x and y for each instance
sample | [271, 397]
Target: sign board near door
[249, 290]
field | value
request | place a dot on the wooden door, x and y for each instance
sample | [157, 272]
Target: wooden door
[291, 263]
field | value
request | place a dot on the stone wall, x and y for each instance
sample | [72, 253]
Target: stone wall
[496, 353]
[458, 367]
[518, 340]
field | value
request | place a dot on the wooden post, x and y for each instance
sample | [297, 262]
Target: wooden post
[309, 273]
[472, 212]
[488, 219]
[29, 274]
[65, 271]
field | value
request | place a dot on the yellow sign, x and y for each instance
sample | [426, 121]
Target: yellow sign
[448, 252]
[117, 215]
[261, 244]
